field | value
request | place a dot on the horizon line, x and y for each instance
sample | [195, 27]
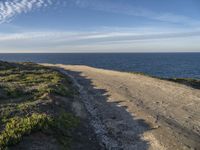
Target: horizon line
[95, 52]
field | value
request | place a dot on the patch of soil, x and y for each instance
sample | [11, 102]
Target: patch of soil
[37, 141]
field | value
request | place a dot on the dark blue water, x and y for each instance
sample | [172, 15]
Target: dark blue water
[185, 65]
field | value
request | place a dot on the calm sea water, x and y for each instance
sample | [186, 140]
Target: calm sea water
[156, 64]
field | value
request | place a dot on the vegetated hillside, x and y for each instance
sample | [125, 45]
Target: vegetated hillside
[35, 107]
[194, 83]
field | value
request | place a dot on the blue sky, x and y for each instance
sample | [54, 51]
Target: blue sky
[99, 26]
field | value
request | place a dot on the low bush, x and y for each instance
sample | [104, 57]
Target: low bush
[17, 127]
[27, 103]
[59, 126]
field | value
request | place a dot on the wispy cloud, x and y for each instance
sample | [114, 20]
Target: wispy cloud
[119, 35]
[104, 40]
[9, 9]
[123, 8]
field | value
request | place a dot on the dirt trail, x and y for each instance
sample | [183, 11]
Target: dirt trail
[139, 112]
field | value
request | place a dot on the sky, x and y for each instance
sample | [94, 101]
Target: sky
[62, 26]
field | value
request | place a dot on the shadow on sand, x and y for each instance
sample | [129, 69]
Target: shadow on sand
[121, 130]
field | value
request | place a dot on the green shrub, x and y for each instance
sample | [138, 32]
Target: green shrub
[26, 93]
[11, 91]
[62, 127]
[17, 127]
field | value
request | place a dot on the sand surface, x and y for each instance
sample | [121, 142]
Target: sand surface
[132, 111]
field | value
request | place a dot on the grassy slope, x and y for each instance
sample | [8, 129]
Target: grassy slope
[31, 101]
[194, 83]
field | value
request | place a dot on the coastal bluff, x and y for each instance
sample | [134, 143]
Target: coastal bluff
[56, 106]
[139, 111]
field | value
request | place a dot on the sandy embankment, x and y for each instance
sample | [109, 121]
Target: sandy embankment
[139, 112]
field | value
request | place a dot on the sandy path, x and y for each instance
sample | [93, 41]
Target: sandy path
[140, 112]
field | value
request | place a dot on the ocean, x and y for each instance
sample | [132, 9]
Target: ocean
[168, 65]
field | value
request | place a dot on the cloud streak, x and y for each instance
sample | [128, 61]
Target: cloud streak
[9, 9]
[96, 36]
[123, 8]
[104, 40]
